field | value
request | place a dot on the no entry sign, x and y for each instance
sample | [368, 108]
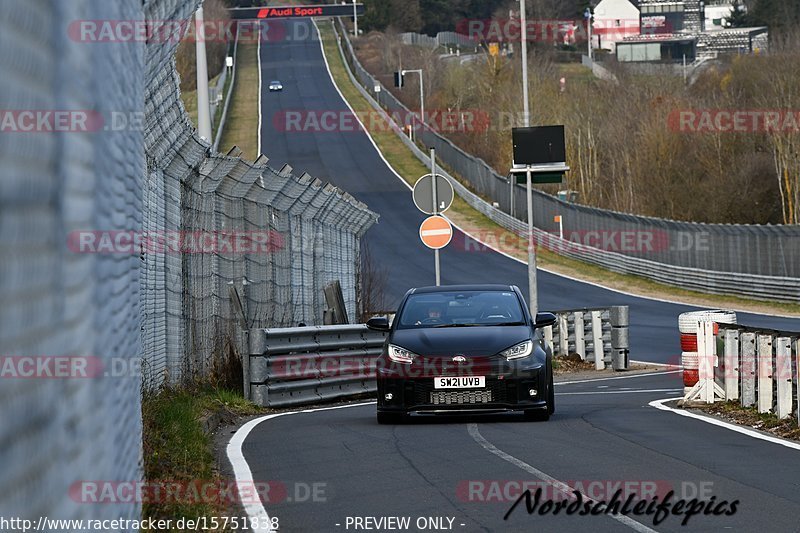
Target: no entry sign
[436, 232]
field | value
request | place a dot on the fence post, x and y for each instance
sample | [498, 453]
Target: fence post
[783, 376]
[597, 340]
[748, 369]
[580, 332]
[765, 372]
[731, 363]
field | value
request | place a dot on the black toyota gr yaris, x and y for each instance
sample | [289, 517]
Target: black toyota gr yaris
[464, 349]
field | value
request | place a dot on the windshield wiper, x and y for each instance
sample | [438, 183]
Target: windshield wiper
[457, 325]
[507, 324]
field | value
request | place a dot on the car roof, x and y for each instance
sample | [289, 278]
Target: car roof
[455, 288]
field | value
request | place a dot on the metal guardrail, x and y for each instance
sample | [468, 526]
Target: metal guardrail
[585, 329]
[754, 366]
[299, 366]
[296, 366]
[784, 289]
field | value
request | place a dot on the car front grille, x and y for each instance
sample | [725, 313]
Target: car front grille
[425, 394]
[461, 397]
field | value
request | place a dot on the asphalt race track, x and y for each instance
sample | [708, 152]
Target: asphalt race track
[602, 431]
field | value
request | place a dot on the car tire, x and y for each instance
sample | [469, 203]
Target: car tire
[551, 395]
[391, 418]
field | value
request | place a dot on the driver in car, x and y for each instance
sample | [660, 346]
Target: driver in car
[434, 316]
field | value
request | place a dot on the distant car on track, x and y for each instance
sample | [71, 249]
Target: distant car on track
[275, 86]
[464, 349]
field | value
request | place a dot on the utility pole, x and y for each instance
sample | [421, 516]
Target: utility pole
[526, 110]
[203, 104]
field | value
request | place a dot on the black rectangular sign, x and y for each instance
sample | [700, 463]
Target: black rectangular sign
[539, 145]
[266, 13]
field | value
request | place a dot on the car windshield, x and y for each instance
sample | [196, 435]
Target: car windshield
[461, 309]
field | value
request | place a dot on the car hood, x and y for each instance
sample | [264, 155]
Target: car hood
[470, 341]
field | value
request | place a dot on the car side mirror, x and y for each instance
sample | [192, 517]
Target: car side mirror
[378, 323]
[545, 319]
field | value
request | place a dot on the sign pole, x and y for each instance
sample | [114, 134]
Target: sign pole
[534, 304]
[355, 18]
[435, 212]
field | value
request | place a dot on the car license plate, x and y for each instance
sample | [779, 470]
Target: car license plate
[461, 382]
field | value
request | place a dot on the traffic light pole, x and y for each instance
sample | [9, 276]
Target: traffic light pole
[421, 93]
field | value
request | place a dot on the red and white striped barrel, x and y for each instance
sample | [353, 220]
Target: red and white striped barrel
[687, 324]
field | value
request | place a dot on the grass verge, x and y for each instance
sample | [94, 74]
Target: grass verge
[241, 126]
[786, 428]
[475, 223]
[177, 449]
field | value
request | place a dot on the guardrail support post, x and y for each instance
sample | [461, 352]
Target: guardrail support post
[597, 341]
[563, 334]
[748, 369]
[580, 340]
[765, 373]
[620, 345]
[731, 364]
[783, 377]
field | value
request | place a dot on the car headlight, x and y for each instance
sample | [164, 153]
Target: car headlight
[401, 355]
[523, 349]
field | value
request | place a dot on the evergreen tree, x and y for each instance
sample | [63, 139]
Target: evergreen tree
[738, 17]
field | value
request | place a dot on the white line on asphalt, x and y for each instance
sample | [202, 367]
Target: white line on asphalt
[665, 365]
[559, 485]
[618, 377]
[617, 392]
[242, 472]
[659, 404]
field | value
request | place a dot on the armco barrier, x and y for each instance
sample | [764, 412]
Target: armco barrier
[721, 261]
[586, 329]
[299, 366]
[756, 366]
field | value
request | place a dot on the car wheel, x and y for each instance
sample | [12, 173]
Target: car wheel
[551, 395]
[391, 418]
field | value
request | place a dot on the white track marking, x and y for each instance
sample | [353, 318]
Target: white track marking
[241, 470]
[659, 404]
[617, 392]
[617, 377]
[558, 485]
